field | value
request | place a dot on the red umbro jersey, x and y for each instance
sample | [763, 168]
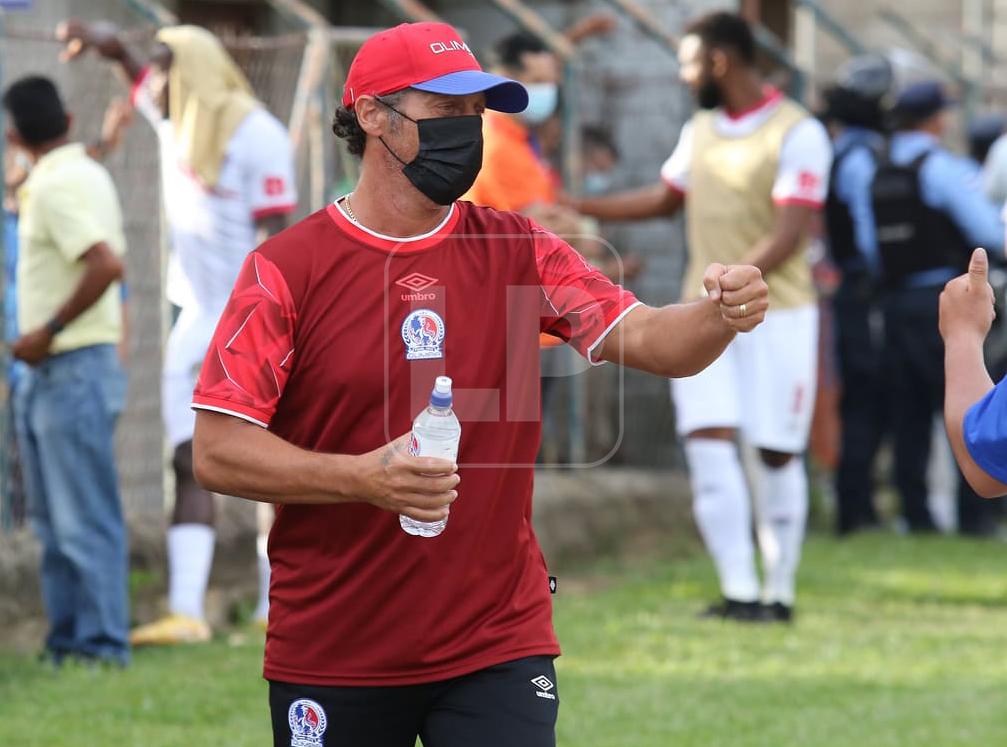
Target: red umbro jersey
[332, 339]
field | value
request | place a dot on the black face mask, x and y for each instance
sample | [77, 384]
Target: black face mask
[450, 156]
[709, 95]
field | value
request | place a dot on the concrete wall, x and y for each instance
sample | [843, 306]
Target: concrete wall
[579, 516]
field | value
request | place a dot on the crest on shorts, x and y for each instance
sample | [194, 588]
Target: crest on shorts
[307, 723]
[423, 334]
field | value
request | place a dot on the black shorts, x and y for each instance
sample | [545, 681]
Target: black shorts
[509, 705]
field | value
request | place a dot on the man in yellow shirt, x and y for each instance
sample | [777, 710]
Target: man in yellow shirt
[66, 405]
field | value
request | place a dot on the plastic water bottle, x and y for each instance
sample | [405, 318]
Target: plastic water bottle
[436, 432]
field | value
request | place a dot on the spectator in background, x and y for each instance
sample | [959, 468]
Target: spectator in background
[516, 175]
[12, 498]
[991, 157]
[600, 160]
[983, 131]
[854, 116]
[67, 404]
[928, 211]
[751, 169]
[16, 169]
[228, 182]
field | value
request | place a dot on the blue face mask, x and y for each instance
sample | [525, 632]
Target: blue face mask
[542, 98]
[597, 182]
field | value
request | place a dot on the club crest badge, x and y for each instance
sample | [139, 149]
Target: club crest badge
[307, 723]
[423, 334]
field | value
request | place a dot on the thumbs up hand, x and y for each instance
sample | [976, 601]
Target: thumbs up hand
[967, 303]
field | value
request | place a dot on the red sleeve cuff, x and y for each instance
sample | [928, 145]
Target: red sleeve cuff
[674, 187]
[230, 407]
[806, 202]
[135, 88]
[265, 212]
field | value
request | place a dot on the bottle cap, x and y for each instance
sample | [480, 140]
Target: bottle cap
[441, 395]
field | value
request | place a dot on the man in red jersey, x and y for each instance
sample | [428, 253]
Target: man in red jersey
[316, 370]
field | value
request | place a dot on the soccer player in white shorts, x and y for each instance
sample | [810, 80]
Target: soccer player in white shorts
[751, 169]
[227, 183]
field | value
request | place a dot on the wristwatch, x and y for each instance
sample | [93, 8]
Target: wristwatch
[54, 326]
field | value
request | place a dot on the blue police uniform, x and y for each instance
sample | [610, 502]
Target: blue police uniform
[928, 211]
[856, 313]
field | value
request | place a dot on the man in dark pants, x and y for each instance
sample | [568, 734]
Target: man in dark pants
[375, 636]
[929, 211]
[854, 118]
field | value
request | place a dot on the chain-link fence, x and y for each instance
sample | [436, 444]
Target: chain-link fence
[28, 46]
[274, 66]
[300, 79]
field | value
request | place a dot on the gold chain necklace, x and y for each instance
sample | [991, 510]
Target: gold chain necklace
[349, 210]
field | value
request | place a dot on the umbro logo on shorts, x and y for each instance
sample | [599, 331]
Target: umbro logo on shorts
[544, 685]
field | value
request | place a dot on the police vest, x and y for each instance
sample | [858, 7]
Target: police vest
[912, 236]
[838, 220]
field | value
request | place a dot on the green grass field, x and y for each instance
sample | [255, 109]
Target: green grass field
[898, 642]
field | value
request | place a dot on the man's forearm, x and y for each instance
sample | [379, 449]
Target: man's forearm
[242, 459]
[130, 62]
[672, 341]
[98, 275]
[654, 201]
[966, 382]
[792, 223]
[772, 252]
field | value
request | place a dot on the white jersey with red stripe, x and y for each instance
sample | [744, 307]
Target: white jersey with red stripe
[212, 229]
[805, 156]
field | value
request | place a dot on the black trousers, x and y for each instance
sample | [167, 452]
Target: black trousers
[917, 393]
[864, 407]
[514, 704]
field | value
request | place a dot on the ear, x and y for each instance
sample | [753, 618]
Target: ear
[371, 115]
[718, 62]
[69, 121]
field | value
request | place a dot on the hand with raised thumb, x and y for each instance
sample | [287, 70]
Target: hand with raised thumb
[966, 306]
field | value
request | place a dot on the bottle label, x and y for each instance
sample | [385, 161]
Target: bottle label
[433, 448]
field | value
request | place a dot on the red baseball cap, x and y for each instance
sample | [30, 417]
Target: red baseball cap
[430, 57]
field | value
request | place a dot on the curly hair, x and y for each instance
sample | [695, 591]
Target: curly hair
[346, 127]
[721, 29]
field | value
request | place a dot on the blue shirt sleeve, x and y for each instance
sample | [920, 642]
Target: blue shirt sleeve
[985, 431]
[954, 184]
[853, 187]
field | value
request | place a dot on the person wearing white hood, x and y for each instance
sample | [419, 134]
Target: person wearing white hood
[227, 184]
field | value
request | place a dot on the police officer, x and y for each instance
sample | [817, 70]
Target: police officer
[854, 117]
[929, 212]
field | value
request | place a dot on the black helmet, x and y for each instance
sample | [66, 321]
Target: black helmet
[858, 90]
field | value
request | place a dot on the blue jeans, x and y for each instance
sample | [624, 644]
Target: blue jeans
[66, 409]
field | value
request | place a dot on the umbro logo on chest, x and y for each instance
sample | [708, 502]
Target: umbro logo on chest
[416, 283]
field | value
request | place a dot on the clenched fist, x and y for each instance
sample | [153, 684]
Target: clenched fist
[741, 292]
